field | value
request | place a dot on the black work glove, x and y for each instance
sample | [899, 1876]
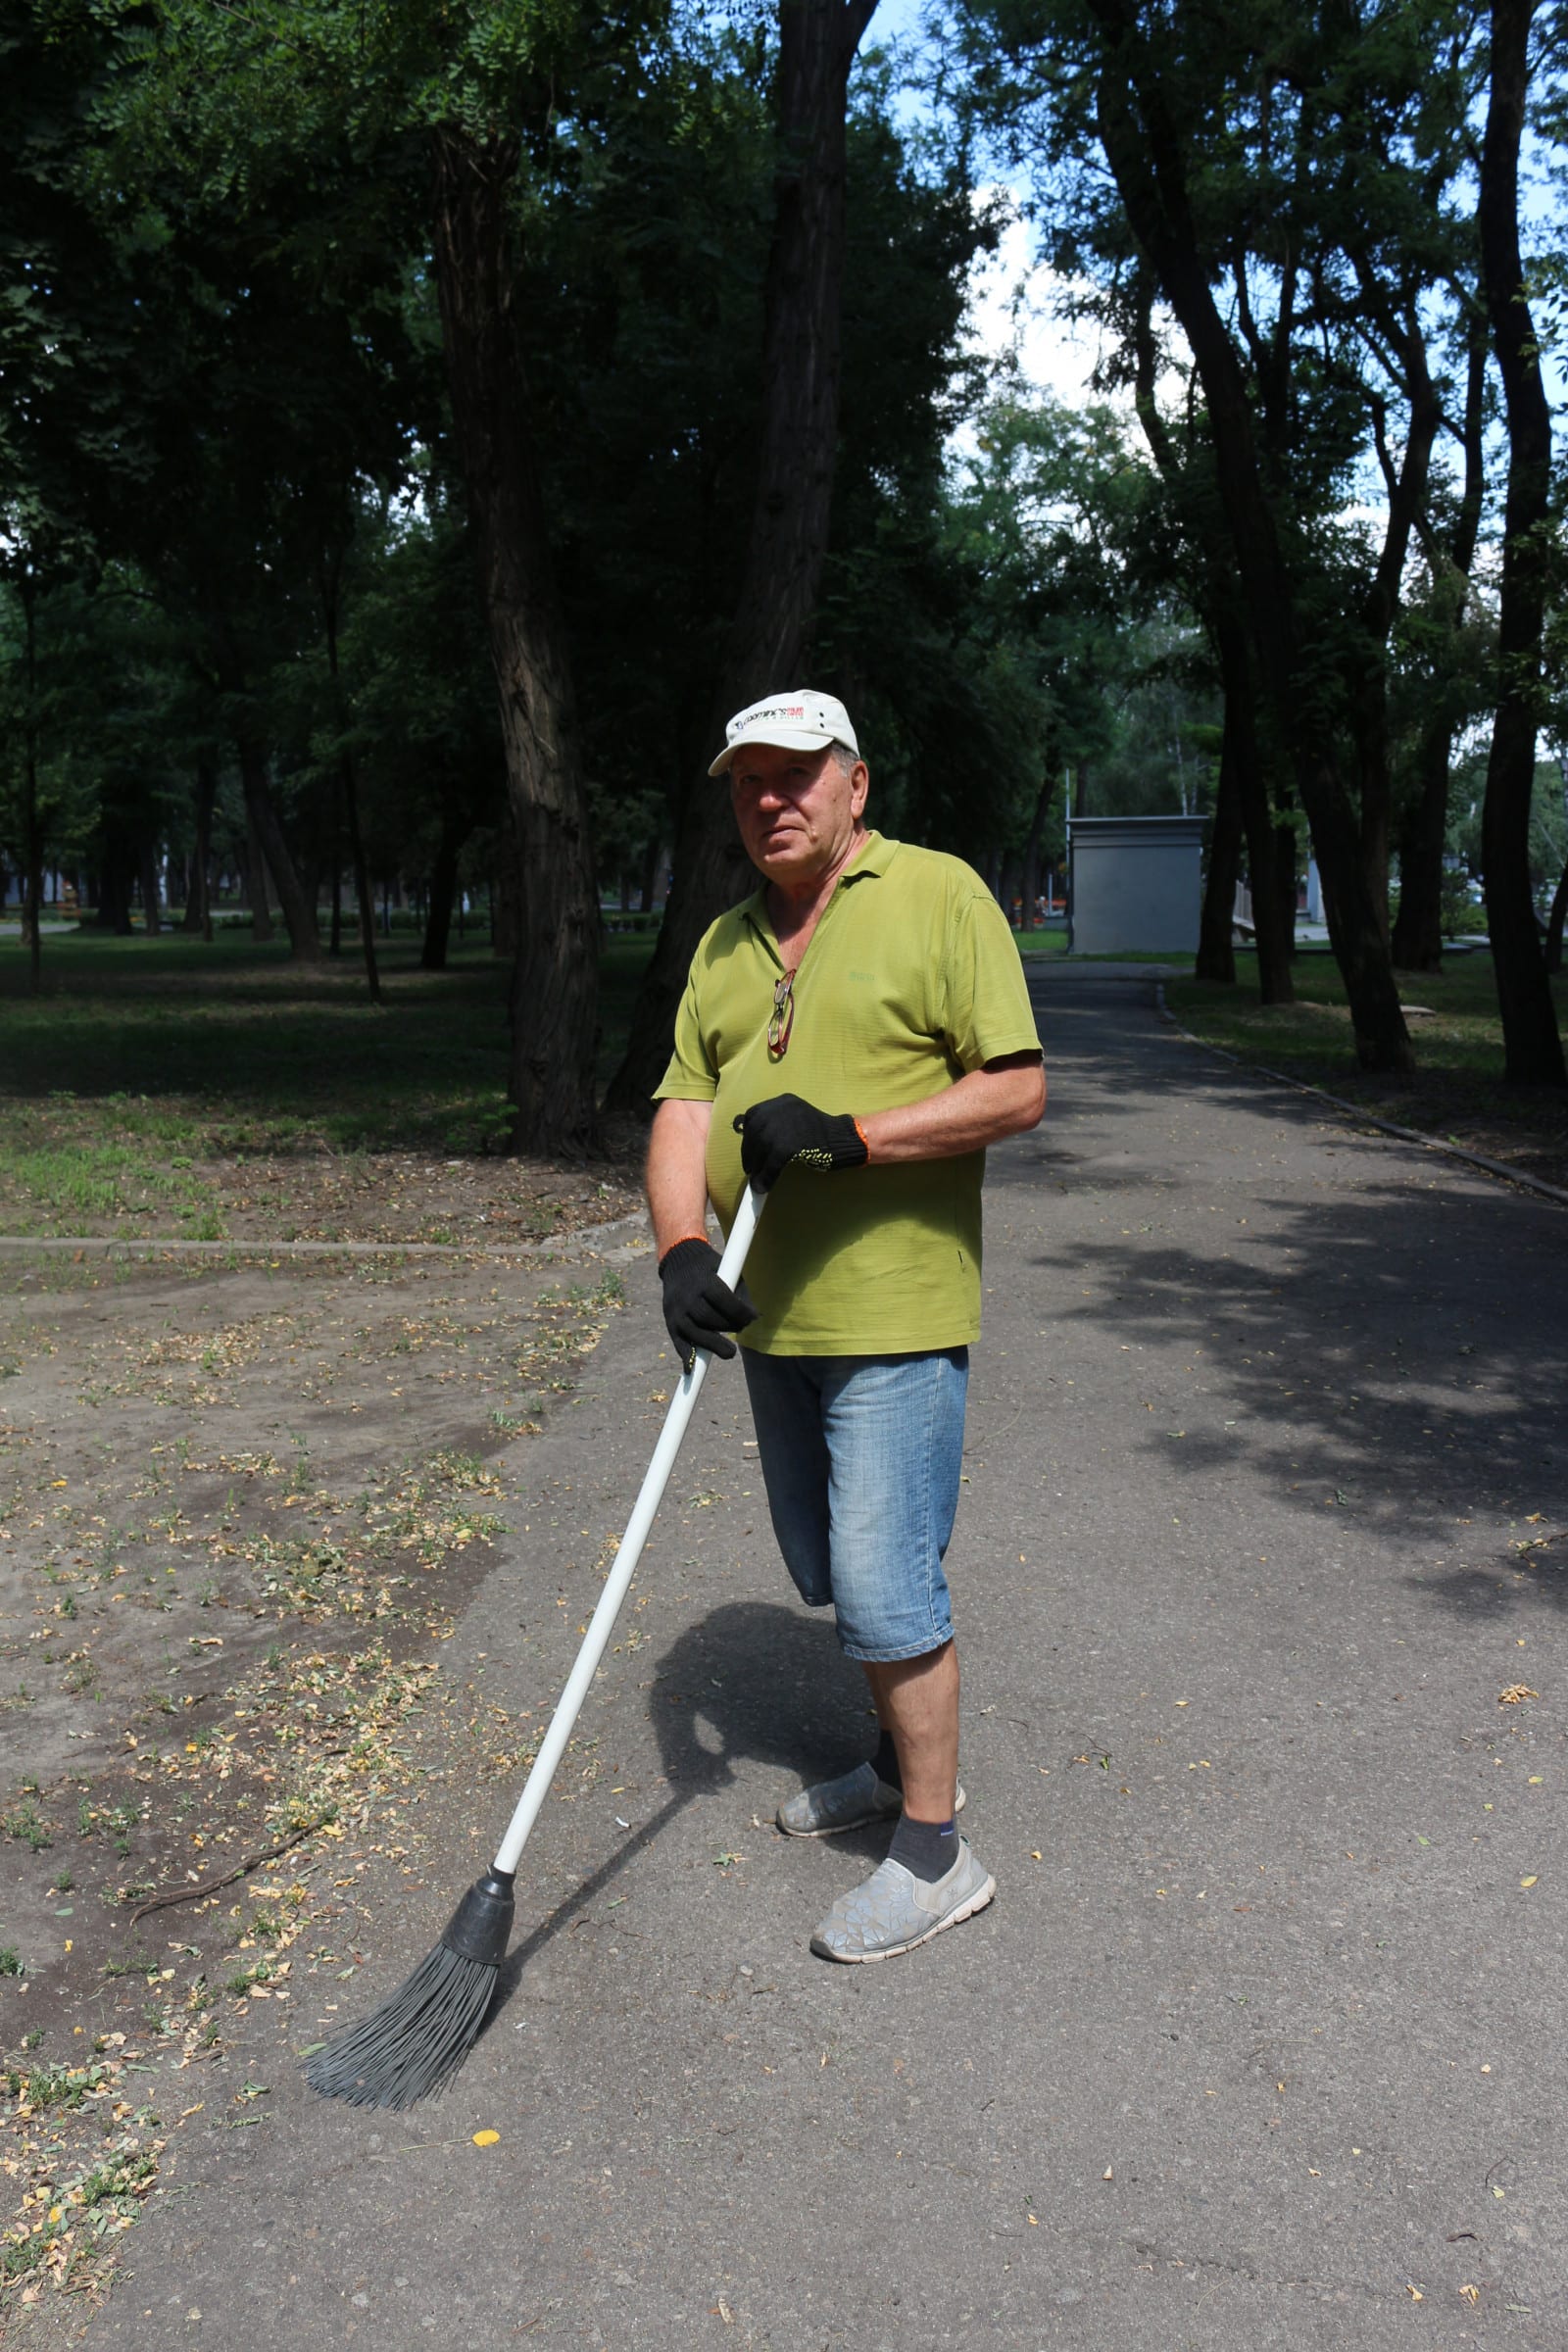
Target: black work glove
[698, 1309]
[785, 1132]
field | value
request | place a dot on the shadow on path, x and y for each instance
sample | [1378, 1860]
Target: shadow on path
[753, 1680]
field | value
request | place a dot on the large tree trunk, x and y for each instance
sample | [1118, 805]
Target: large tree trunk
[1216, 932]
[1406, 486]
[1424, 828]
[348, 786]
[266, 835]
[443, 890]
[1144, 148]
[1531, 1046]
[1031, 853]
[1273, 921]
[256, 889]
[789, 529]
[1241, 762]
[198, 893]
[116, 883]
[1554, 924]
[1418, 925]
[32, 829]
[555, 981]
[148, 868]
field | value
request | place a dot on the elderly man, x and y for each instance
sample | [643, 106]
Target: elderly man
[851, 1038]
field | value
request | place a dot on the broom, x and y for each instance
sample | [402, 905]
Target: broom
[411, 2046]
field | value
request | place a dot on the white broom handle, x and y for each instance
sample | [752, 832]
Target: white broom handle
[602, 1622]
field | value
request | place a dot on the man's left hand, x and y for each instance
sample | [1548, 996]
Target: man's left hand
[786, 1132]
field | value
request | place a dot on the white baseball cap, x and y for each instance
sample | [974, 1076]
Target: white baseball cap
[799, 720]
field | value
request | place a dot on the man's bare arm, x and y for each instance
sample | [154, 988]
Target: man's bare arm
[676, 1175]
[1004, 1098]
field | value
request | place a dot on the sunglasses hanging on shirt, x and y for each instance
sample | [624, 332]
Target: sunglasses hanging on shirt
[782, 1019]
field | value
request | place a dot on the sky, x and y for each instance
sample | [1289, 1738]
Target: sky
[1012, 302]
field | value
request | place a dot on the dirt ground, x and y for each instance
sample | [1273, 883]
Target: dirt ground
[306, 1194]
[240, 1507]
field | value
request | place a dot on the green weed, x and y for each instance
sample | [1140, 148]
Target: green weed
[25, 1820]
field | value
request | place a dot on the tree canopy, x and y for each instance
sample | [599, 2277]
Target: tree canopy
[415, 422]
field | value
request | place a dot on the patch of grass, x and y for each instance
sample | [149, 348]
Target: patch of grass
[1458, 1091]
[11, 1961]
[56, 2086]
[145, 1059]
[243, 1979]
[25, 1820]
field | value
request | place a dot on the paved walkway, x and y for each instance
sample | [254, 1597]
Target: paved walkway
[1262, 2043]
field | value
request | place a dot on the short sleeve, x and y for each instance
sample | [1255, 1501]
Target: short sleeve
[988, 1009]
[691, 1076]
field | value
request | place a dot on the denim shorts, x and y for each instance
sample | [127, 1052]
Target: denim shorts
[862, 1455]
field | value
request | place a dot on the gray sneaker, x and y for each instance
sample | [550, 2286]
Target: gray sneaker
[893, 1910]
[847, 1803]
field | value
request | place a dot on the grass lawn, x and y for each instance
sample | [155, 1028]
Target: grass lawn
[150, 1070]
[1458, 1090]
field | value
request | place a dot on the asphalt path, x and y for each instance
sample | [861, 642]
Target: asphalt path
[1261, 2043]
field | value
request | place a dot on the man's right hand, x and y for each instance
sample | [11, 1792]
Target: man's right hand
[698, 1309]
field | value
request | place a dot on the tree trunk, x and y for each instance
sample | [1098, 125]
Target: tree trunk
[1143, 147]
[31, 830]
[555, 980]
[1423, 837]
[1418, 925]
[1239, 751]
[1273, 921]
[1031, 855]
[256, 881]
[443, 890]
[788, 528]
[116, 884]
[1216, 932]
[1554, 924]
[1406, 488]
[1285, 882]
[348, 785]
[1531, 1046]
[198, 915]
[334, 936]
[149, 892]
[267, 833]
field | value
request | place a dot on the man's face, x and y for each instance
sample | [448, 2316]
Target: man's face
[797, 810]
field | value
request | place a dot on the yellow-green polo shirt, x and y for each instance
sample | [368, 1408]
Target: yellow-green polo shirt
[909, 981]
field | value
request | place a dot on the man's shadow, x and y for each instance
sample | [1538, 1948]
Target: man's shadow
[752, 1682]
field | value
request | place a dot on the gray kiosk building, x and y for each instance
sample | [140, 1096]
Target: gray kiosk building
[1133, 883]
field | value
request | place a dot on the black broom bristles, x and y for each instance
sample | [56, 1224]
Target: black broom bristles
[410, 2047]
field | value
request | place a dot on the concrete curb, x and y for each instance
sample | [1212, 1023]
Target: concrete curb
[1365, 1119]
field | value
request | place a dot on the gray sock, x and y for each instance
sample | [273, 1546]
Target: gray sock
[926, 1848]
[885, 1763]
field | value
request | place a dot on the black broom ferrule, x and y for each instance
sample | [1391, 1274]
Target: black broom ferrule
[481, 1928]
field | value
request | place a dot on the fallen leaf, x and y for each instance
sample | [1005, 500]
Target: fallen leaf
[1515, 1693]
[485, 2139]
[1471, 2294]
[1530, 1882]
[1107, 2174]
[1415, 2293]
